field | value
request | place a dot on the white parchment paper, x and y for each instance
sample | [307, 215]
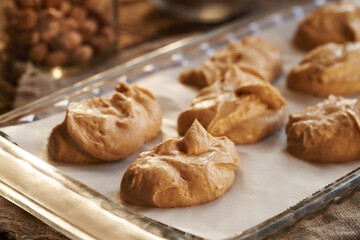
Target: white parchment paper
[268, 180]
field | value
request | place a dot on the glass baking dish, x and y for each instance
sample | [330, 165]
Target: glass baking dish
[82, 202]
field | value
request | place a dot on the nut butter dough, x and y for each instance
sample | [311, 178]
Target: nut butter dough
[328, 132]
[240, 106]
[337, 22]
[103, 129]
[328, 69]
[195, 169]
[253, 55]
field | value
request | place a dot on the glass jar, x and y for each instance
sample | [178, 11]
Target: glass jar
[60, 33]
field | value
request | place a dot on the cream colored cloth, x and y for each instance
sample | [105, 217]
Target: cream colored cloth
[338, 221]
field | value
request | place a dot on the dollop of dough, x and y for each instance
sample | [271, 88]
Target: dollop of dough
[336, 22]
[240, 106]
[328, 132]
[195, 169]
[102, 129]
[253, 55]
[328, 69]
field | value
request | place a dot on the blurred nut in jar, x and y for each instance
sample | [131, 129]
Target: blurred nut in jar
[60, 32]
[38, 52]
[56, 58]
[88, 29]
[28, 4]
[82, 54]
[24, 19]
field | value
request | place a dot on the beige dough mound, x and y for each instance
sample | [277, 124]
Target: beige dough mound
[102, 129]
[195, 169]
[328, 132]
[241, 107]
[336, 22]
[253, 55]
[328, 69]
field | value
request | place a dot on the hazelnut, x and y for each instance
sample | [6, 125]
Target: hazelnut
[25, 19]
[26, 38]
[48, 32]
[26, 3]
[38, 53]
[52, 3]
[49, 14]
[68, 40]
[88, 28]
[101, 18]
[82, 54]
[65, 7]
[70, 24]
[109, 34]
[35, 37]
[90, 4]
[49, 24]
[99, 43]
[56, 58]
[78, 13]
[10, 10]
[78, 2]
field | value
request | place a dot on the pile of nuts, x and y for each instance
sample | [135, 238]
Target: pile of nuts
[58, 32]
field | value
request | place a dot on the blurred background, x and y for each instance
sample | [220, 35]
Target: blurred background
[102, 36]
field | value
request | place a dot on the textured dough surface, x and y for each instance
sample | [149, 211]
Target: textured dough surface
[101, 129]
[241, 107]
[253, 55]
[328, 69]
[195, 169]
[328, 132]
[337, 22]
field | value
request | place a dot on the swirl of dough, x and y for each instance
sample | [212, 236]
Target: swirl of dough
[328, 69]
[328, 132]
[253, 55]
[240, 106]
[101, 129]
[195, 169]
[336, 22]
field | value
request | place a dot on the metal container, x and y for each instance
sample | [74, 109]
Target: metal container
[207, 11]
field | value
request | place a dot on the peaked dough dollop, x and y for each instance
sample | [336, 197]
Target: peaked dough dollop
[336, 22]
[253, 55]
[240, 106]
[328, 69]
[195, 169]
[328, 132]
[102, 129]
